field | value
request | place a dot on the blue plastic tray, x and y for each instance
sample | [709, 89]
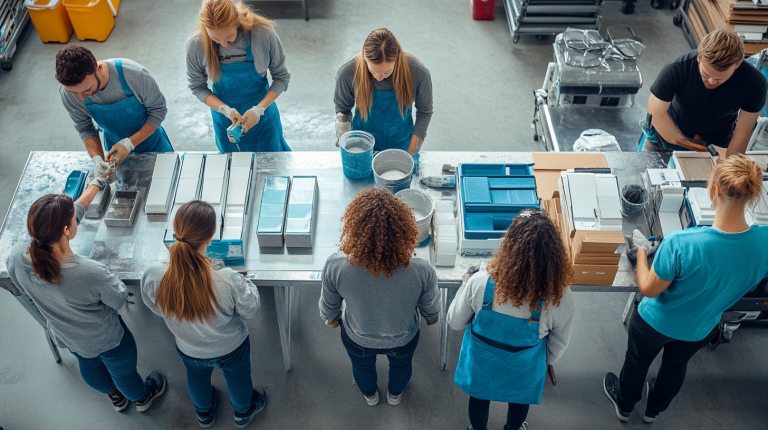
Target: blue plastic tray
[75, 184]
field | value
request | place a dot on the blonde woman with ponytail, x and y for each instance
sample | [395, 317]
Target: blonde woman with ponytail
[697, 274]
[235, 47]
[204, 305]
[383, 82]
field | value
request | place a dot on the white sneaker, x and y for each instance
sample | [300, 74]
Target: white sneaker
[394, 400]
[373, 400]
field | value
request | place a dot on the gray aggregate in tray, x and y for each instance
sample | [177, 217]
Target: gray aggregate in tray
[122, 211]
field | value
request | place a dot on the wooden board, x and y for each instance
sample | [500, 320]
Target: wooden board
[696, 168]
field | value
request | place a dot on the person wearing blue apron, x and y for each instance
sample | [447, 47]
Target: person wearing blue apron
[120, 96]
[506, 348]
[384, 83]
[241, 96]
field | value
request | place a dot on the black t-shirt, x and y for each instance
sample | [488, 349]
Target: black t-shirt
[709, 113]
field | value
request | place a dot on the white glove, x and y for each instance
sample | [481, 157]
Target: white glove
[106, 177]
[120, 151]
[251, 117]
[342, 126]
[639, 241]
[99, 165]
[230, 113]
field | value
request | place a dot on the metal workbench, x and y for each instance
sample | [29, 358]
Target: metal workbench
[128, 251]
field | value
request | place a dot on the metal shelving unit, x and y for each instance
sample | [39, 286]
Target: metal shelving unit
[13, 18]
[550, 17]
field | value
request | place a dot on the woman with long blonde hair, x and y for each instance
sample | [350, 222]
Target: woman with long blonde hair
[204, 305]
[235, 47]
[383, 82]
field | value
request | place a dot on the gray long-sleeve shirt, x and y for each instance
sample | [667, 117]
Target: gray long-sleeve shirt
[344, 97]
[554, 324]
[81, 311]
[238, 300]
[267, 53]
[379, 312]
[139, 80]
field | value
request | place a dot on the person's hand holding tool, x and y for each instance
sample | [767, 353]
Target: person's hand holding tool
[105, 178]
[120, 151]
[251, 117]
[639, 241]
[230, 113]
[99, 165]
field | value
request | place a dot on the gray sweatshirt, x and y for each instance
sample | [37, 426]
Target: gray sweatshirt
[238, 299]
[554, 324]
[267, 55]
[379, 312]
[344, 98]
[82, 310]
[139, 80]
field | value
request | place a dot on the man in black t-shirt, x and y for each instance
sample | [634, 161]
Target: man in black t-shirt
[706, 96]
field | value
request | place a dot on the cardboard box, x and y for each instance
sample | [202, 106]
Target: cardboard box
[548, 165]
[692, 166]
[587, 274]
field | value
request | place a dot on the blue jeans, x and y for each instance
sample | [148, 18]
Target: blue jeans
[115, 368]
[478, 414]
[643, 345]
[236, 367]
[364, 364]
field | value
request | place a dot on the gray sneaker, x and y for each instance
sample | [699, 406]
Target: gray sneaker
[155, 384]
[394, 400]
[373, 400]
[647, 416]
[611, 386]
[258, 403]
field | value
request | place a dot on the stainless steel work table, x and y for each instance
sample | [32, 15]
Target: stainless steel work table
[128, 251]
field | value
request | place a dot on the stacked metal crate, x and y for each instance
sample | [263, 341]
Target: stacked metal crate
[550, 17]
[13, 18]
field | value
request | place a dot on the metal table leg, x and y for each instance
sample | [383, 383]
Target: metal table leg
[446, 298]
[30, 306]
[306, 10]
[283, 306]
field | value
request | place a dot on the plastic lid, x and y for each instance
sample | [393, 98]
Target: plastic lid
[31, 4]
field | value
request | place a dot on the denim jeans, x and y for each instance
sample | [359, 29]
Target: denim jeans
[236, 367]
[364, 364]
[478, 414]
[115, 368]
[643, 345]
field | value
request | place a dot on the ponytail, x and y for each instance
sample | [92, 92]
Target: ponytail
[186, 291]
[740, 179]
[46, 220]
[381, 46]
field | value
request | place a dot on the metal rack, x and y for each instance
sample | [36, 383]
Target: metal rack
[681, 20]
[13, 18]
[550, 17]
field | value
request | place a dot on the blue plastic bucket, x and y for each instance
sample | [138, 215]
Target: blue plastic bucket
[356, 154]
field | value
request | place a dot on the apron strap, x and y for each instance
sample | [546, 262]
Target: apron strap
[490, 287]
[123, 83]
[248, 50]
[536, 313]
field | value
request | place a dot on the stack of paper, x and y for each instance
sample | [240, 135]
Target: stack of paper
[444, 227]
[237, 195]
[669, 210]
[160, 197]
[701, 206]
[609, 204]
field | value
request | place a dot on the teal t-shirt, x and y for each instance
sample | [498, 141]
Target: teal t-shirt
[710, 270]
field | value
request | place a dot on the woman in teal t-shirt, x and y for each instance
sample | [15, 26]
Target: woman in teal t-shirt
[685, 295]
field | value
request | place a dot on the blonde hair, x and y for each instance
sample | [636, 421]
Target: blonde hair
[381, 46]
[224, 14]
[740, 179]
[721, 49]
[186, 291]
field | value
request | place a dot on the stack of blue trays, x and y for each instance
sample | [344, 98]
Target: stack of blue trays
[492, 195]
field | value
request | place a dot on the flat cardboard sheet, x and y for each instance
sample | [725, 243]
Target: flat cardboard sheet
[548, 165]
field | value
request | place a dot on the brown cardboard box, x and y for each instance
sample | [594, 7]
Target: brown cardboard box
[586, 274]
[548, 165]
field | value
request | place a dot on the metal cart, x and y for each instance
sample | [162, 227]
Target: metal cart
[551, 17]
[13, 19]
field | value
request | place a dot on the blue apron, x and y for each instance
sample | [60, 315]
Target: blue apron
[502, 358]
[126, 117]
[385, 123]
[242, 88]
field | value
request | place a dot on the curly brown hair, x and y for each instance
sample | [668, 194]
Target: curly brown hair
[379, 232]
[532, 263]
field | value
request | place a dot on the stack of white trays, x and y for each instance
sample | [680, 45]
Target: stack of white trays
[189, 179]
[669, 209]
[608, 202]
[160, 194]
[213, 192]
[300, 217]
[701, 206]
[237, 195]
[446, 239]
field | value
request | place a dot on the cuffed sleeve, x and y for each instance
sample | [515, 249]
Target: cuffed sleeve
[277, 68]
[429, 301]
[197, 75]
[560, 327]
[330, 300]
[344, 95]
[423, 103]
[245, 295]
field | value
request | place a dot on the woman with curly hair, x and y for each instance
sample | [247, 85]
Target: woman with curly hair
[517, 319]
[384, 288]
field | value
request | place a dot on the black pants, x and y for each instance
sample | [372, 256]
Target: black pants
[478, 414]
[643, 345]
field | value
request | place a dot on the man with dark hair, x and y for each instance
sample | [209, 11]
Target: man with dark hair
[706, 96]
[120, 96]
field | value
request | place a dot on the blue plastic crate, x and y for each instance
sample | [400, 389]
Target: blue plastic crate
[75, 184]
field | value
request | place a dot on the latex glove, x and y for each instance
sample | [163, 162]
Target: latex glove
[120, 151]
[251, 117]
[230, 113]
[639, 241]
[105, 178]
[99, 165]
[342, 126]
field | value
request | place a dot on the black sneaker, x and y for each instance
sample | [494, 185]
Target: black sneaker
[119, 401]
[610, 386]
[155, 384]
[647, 416]
[258, 403]
[208, 419]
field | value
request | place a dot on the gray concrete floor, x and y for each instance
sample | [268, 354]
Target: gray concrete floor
[483, 100]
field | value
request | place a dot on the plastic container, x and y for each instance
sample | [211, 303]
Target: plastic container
[393, 170]
[483, 9]
[51, 20]
[631, 209]
[422, 207]
[357, 153]
[91, 19]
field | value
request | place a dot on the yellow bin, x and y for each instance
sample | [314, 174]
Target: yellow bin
[92, 19]
[51, 20]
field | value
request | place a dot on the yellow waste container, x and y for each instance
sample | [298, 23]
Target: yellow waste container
[51, 20]
[92, 19]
